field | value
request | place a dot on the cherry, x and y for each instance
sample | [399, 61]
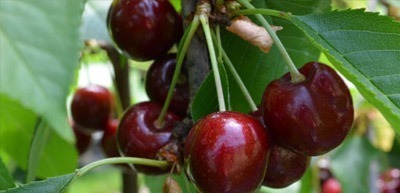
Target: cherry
[331, 186]
[284, 167]
[82, 139]
[109, 139]
[389, 181]
[144, 29]
[158, 81]
[91, 107]
[310, 117]
[227, 152]
[139, 136]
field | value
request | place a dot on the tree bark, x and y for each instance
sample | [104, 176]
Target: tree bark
[121, 78]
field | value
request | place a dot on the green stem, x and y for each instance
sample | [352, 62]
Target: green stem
[219, 43]
[270, 12]
[239, 81]
[121, 160]
[183, 47]
[214, 63]
[294, 73]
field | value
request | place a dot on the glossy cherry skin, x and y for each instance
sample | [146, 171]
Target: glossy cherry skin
[389, 181]
[91, 107]
[331, 186]
[144, 29]
[310, 117]
[83, 140]
[227, 152]
[138, 136]
[158, 82]
[284, 167]
[109, 139]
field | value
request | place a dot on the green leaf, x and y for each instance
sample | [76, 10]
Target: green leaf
[300, 7]
[365, 48]
[39, 55]
[94, 24]
[40, 138]
[16, 132]
[350, 164]
[177, 4]
[307, 185]
[6, 180]
[206, 101]
[51, 185]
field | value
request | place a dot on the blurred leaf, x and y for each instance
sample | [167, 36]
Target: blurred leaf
[6, 180]
[394, 2]
[51, 185]
[351, 163]
[292, 189]
[177, 4]
[155, 183]
[94, 25]
[365, 48]
[307, 181]
[16, 133]
[394, 154]
[39, 55]
[40, 138]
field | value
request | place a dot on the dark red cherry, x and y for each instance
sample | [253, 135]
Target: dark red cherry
[284, 167]
[144, 29]
[158, 81]
[138, 136]
[310, 117]
[82, 139]
[91, 107]
[331, 186]
[258, 115]
[389, 181]
[227, 152]
[109, 139]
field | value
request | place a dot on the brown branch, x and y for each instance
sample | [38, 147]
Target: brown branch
[121, 78]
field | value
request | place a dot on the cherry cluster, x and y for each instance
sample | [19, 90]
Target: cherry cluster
[146, 30]
[235, 152]
[224, 151]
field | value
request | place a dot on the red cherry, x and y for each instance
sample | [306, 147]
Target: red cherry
[91, 107]
[158, 81]
[310, 117]
[138, 136]
[82, 139]
[144, 29]
[389, 181]
[227, 152]
[284, 167]
[109, 139]
[331, 186]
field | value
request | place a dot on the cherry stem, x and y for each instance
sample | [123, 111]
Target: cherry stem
[120, 160]
[239, 81]
[271, 12]
[182, 49]
[219, 43]
[236, 76]
[214, 64]
[294, 73]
